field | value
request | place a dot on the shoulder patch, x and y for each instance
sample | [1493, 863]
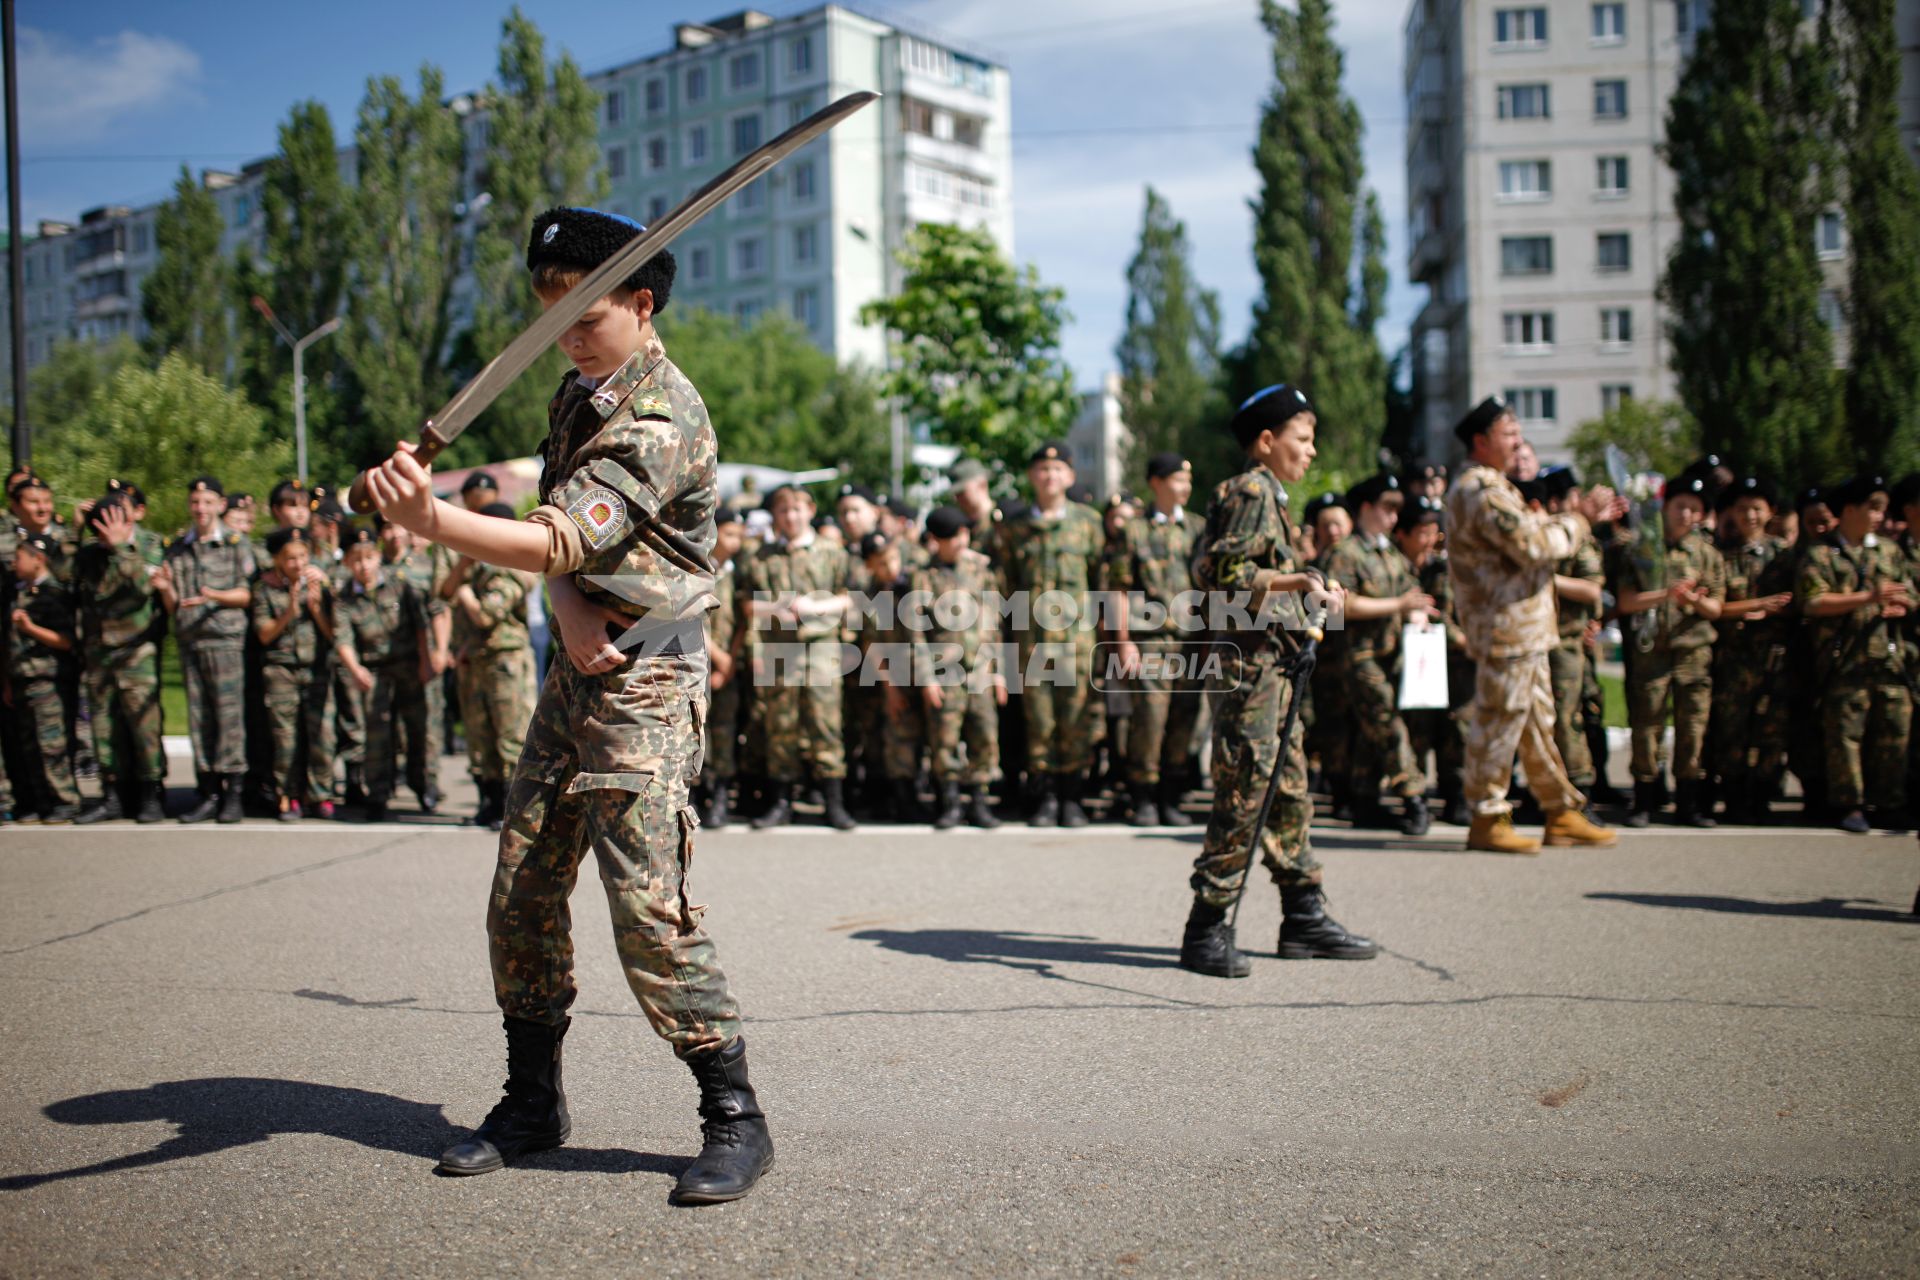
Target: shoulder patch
[601, 515]
[652, 404]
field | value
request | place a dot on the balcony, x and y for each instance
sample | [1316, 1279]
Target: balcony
[107, 304]
[1428, 254]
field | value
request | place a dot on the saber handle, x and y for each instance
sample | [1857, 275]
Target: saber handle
[425, 451]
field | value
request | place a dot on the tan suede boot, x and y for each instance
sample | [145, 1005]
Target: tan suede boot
[1571, 826]
[1494, 833]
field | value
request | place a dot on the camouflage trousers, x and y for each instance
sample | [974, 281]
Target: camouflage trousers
[903, 732]
[1373, 695]
[496, 701]
[1683, 681]
[423, 763]
[607, 767]
[800, 691]
[1250, 701]
[1060, 709]
[723, 732]
[216, 680]
[1751, 714]
[1869, 714]
[967, 717]
[123, 691]
[296, 713]
[1166, 706]
[866, 740]
[1512, 712]
[396, 704]
[1444, 732]
[347, 717]
[47, 704]
[1567, 668]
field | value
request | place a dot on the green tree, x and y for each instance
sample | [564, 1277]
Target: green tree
[976, 343]
[1656, 435]
[542, 150]
[161, 427]
[184, 298]
[1883, 225]
[1318, 243]
[1749, 141]
[775, 398]
[1169, 352]
[405, 254]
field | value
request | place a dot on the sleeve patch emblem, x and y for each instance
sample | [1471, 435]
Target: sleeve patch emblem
[601, 515]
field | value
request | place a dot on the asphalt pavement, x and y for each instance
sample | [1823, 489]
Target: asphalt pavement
[237, 1051]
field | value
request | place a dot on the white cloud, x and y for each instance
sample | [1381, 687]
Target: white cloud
[70, 92]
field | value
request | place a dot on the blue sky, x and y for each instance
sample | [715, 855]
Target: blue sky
[1109, 95]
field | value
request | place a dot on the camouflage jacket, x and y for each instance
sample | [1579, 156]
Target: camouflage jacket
[1154, 559]
[723, 620]
[1053, 553]
[1586, 565]
[1247, 532]
[301, 644]
[1762, 568]
[1437, 581]
[1695, 559]
[222, 562]
[502, 597]
[113, 586]
[1375, 569]
[49, 605]
[934, 640]
[428, 567]
[381, 627]
[780, 568]
[1861, 639]
[1502, 558]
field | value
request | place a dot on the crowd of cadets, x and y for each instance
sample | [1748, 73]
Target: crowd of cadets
[1773, 636]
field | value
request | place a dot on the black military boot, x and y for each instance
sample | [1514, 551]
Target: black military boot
[208, 806]
[1146, 813]
[1646, 798]
[735, 1147]
[780, 812]
[153, 804]
[1046, 807]
[1072, 787]
[1171, 814]
[979, 809]
[233, 798]
[493, 807]
[950, 815]
[1207, 944]
[1453, 808]
[1307, 932]
[430, 799]
[1414, 818]
[532, 1116]
[834, 801]
[717, 812]
[1693, 808]
[106, 808]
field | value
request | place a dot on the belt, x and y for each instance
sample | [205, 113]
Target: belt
[673, 645]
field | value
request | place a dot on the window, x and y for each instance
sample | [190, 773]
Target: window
[1610, 179]
[140, 234]
[743, 71]
[1610, 23]
[749, 256]
[746, 134]
[1524, 102]
[696, 84]
[242, 210]
[1524, 27]
[800, 56]
[656, 154]
[1692, 16]
[616, 163]
[700, 263]
[1616, 326]
[1613, 251]
[1614, 395]
[916, 116]
[1609, 99]
[1832, 238]
[806, 244]
[1527, 329]
[696, 149]
[797, 109]
[656, 208]
[615, 105]
[1831, 313]
[803, 182]
[656, 96]
[1526, 255]
[751, 198]
[1533, 404]
[1525, 179]
[806, 308]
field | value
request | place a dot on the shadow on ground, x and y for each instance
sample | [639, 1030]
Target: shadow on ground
[221, 1113]
[1038, 951]
[1816, 909]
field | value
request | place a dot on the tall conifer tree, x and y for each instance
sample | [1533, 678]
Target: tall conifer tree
[184, 298]
[1169, 353]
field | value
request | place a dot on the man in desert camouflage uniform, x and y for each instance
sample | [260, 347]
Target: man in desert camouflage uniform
[493, 655]
[119, 631]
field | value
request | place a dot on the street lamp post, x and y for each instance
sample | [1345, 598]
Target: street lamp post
[299, 346]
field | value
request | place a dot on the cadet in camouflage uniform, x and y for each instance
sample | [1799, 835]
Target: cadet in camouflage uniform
[1151, 576]
[886, 655]
[1328, 711]
[1246, 550]
[203, 581]
[494, 658]
[863, 702]
[119, 630]
[1054, 547]
[797, 593]
[1382, 596]
[726, 647]
[1750, 653]
[428, 567]
[41, 677]
[1677, 668]
[1438, 730]
[624, 537]
[954, 628]
[293, 622]
[380, 635]
[1579, 581]
[1854, 588]
[31, 499]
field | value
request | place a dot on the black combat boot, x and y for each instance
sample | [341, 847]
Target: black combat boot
[493, 808]
[1414, 818]
[1693, 809]
[1453, 808]
[1646, 798]
[780, 812]
[717, 813]
[1046, 807]
[1145, 812]
[1072, 787]
[1207, 945]
[950, 815]
[429, 799]
[208, 806]
[1307, 932]
[979, 809]
[1171, 814]
[233, 798]
[735, 1147]
[532, 1116]
[106, 808]
[834, 801]
[153, 804]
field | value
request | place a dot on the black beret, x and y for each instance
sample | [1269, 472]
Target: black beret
[133, 491]
[205, 484]
[899, 507]
[1534, 490]
[725, 515]
[1686, 486]
[239, 502]
[1121, 499]
[287, 491]
[873, 544]
[1813, 496]
[1162, 465]
[585, 238]
[1856, 491]
[779, 489]
[358, 535]
[1050, 451]
[1372, 489]
[944, 522]
[501, 511]
[1419, 511]
[328, 509]
[1559, 480]
[1324, 502]
[1267, 410]
[854, 490]
[40, 542]
[1906, 491]
[26, 482]
[479, 480]
[279, 538]
[1746, 487]
[1480, 418]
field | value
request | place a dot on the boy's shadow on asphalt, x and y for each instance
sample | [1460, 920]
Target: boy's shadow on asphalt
[1034, 951]
[221, 1113]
